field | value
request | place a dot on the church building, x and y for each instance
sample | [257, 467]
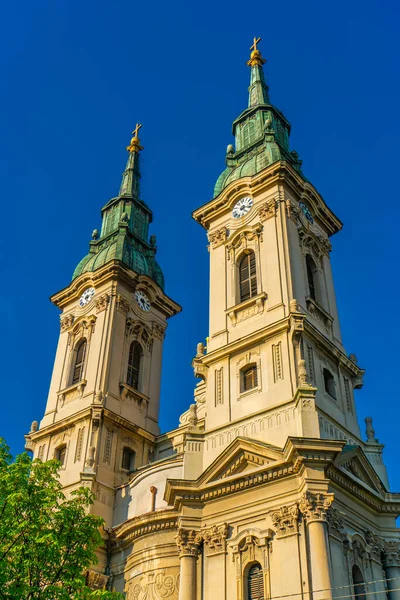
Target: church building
[267, 488]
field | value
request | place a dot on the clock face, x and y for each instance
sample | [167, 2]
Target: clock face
[142, 300]
[86, 297]
[306, 212]
[242, 207]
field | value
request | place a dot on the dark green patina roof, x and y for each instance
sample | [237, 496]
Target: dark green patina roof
[261, 133]
[125, 228]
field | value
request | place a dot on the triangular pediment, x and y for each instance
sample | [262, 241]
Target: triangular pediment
[241, 456]
[353, 461]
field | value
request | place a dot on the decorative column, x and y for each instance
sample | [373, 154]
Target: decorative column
[391, 566]
[188, 542]
[314, 507]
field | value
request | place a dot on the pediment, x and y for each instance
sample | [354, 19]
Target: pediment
[355, 462]
[241, 456]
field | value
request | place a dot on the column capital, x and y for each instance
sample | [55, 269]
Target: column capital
[391, 554]
[285, 520]
[315, 506]
[188, 542]
[214, 537]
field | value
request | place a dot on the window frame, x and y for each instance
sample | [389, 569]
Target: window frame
[134, 366]
[250, 368]
[61, 452]
[261, 584]
[127, 451]
[82, 343]
[247, 276]
[329, 383]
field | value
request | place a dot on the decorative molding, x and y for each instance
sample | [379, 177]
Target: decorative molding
[129, 393]
[140, 332]
[314, 244]
[376, 545]
[268, 209]
[219, 386]
[73, 392]
[158, 331]
[123, 305]
[218, 237]
[81, 327]
[315, 506]
[102, 302]
[66, 322]
[293, 211]
[277, 361]
[248, 308]
[214, 538]
[391, 554]
[153, 585]
[188, 542]
[335, 521]
[316, 310]
[285, 520]
[241, 239]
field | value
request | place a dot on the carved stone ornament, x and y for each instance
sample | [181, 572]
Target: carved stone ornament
[123, 305]
[188, 542]
[293, 211]
[66, 322]
[153, 585]
[138, 331]
[102, 302]
[314, 244]
[376, 544]
[285, 520]
[241, 239]
[159, 331]
[214, 538]
[82, 327]
[335, 521]
[391, 554]
[315, 506]
[217, 237]
[268, 210]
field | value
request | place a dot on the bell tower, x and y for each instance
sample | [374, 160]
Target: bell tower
[101, 417]
[275, 365]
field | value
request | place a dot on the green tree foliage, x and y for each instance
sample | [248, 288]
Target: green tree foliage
[47, 542]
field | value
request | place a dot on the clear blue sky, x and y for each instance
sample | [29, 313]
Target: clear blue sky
[78, 75]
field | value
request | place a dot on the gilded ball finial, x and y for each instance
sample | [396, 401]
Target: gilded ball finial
[255, 56]
[135, 146]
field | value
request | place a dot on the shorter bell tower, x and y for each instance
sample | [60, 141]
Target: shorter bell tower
[101, 417]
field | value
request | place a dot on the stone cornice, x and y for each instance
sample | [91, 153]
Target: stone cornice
[121, 422]
[297, 453]
[141, 525]
[389, 503]
[114, 271]
[278, 173]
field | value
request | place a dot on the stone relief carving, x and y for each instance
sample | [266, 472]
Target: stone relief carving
[315, 506]
[241, 239]
[285, 520]
[123, 305]
[158, 331]
[391, 554]
[139, 331]
[96, 581]
[268, 209]
[335, 521]
[188, 542]
[214, 538]
[66, 322]
[155, 585]
[82, 327]
[314, 244]
[217, 237]
[101, 302]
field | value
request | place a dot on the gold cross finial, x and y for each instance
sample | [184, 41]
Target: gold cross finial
[135, 146]
[255, 42]
[136, 130]
[255, 56]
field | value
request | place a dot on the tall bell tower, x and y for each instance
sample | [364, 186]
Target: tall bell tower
[275, 365]
[101, 417]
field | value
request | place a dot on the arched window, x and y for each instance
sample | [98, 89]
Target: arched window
[329, 382]
[255, 583]
[79, 364]
[311, 277]
[61, 453]
[128, 459]
[135, 354]
[247, 276]
[358, 583]
[248, 378]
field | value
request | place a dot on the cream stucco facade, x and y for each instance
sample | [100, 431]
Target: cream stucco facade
[266, 489]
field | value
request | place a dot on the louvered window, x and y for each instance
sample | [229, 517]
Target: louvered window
[80, 355]
[248, 276]
[128, 459]
[135, 353]
[249, 378]
[310, 276]
[255, 583]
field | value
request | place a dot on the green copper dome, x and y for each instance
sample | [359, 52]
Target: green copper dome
[125, 226]
[261, 133]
